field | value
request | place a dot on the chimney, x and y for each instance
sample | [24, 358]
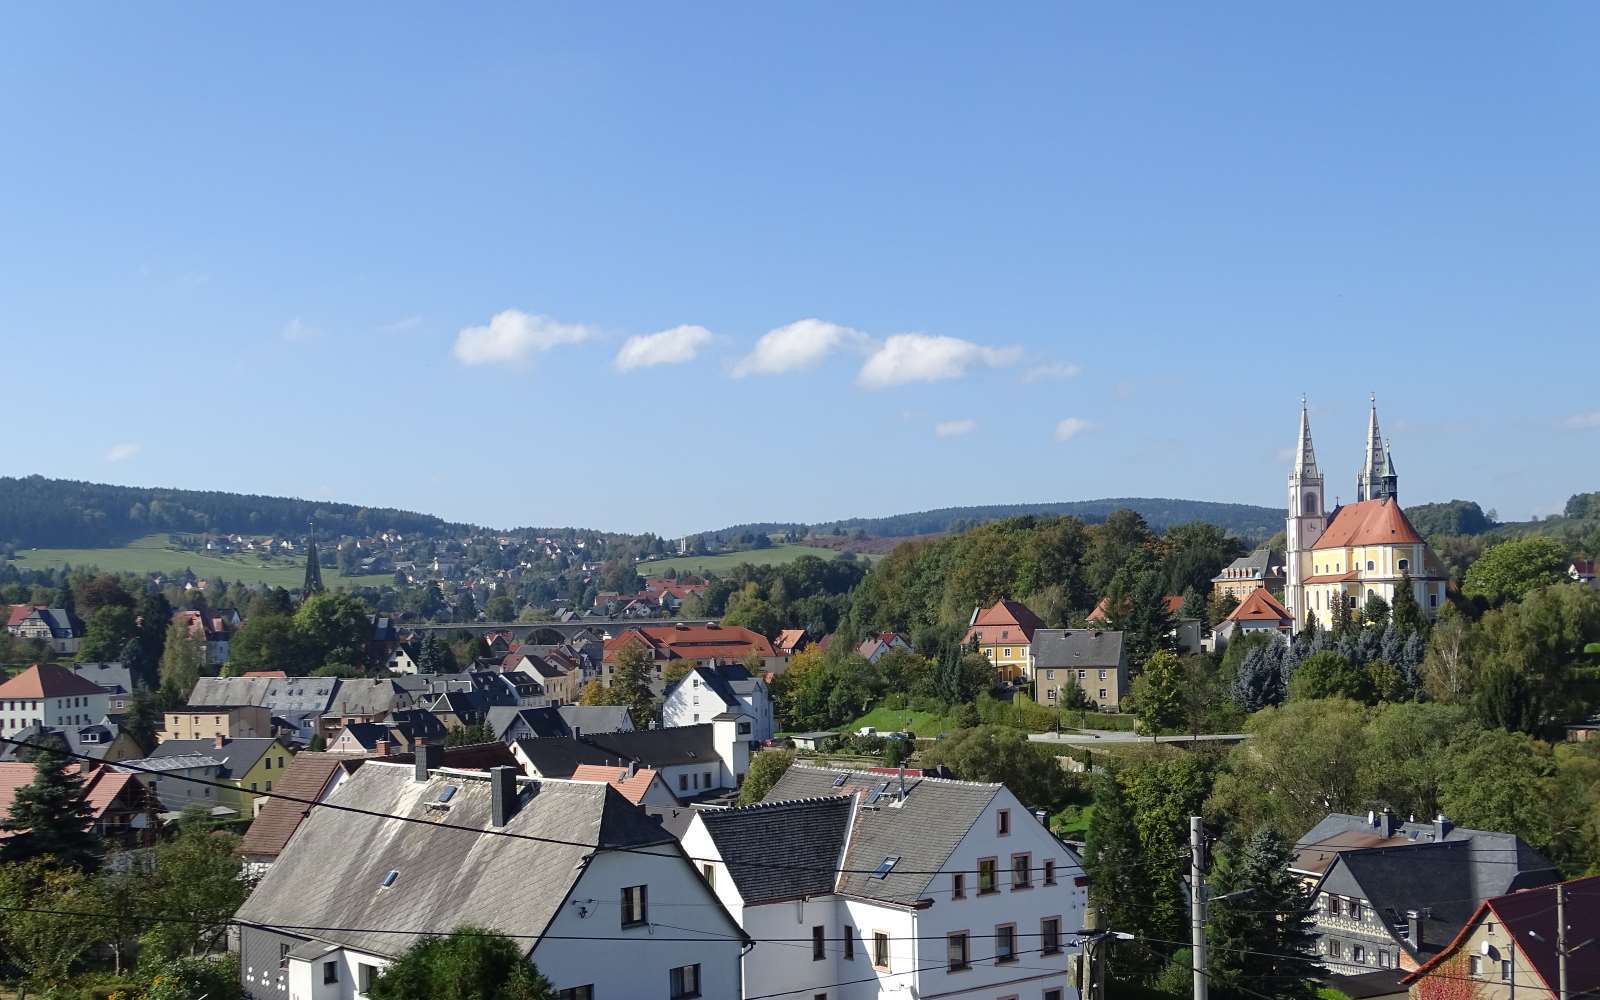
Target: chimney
[1414, 929]
[220, 741]
[1442, 826]
[1387, 825]
[383, 748]
[503, 794]
[427, 758]
[633, 768]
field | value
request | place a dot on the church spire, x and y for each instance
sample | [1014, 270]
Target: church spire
[1369, 481]
[313, 584]
[1305, 456]
[1391, 479]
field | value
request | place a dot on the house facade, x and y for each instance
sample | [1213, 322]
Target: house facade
[1093, 659]
[1262, 569]
[691, 645]
[931, 889]
[50, 696]
[57, 626]
[707, 692]
[587, 916]
[1004, 634]
[236, 722]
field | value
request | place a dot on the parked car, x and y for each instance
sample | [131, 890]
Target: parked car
[867, 731]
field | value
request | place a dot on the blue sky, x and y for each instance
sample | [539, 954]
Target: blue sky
[670, 267]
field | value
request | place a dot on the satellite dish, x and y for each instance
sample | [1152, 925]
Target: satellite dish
[1487, 948]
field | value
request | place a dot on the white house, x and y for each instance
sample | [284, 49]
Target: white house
[694, 761]
[855, 885]
[51, 696]
[706, 692]
[589, 917]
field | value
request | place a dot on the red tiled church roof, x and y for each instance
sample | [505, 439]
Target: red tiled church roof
[1370, 522]
[47, 681]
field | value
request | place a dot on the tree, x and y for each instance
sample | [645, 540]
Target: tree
[1375, 613]
[1004, 755]
[143, 719]
[268, 641]
[1448, 664]
[182, 662]
[1405, 761]
[198, 880]
[1262, 945]
[1386, 682]
[1326, 674]
[1120, 876]
[108, 630]
[766, 768]
[1407, 613]
[469, 736]
[1194, 606]
[500, 608]
[103, 591]
[1510, 570]
[676, 671]
[1259, 681]
[50, 817]
[1301, 763]
[333, 627]
[1496, 780]
[154, 612]
[1158, 694]
[630, 685]
[469, 964]
[49, 942]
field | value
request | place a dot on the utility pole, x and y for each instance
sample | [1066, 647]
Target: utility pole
[1197, 906]
[1561, 940]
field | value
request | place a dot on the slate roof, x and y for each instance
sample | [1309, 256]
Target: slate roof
[172, 762]
[545, 722]
[236, 756]
[727, 682]
[332, 873]
[306, 777]
[1314, 851]
[114, 677]
[281, 694]
[366, 696]
[596, 719]
[1054, 648]
[922, 831]
[808, 834]
[655, 748]
[558, 757]
[1262, 564]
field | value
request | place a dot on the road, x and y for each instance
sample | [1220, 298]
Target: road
[1104, 737]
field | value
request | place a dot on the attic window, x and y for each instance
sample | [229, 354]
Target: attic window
[447, 793]
[388, 880]
[840, 780]
[886, 867]
[877, 793]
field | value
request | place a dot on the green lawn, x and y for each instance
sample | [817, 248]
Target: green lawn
[926, 725]
[154, 554]
[723, 562]
[1072, 822]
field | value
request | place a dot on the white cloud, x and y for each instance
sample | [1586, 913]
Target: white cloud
[669, 347]
[797, 346]
[921, 357]
[954, 428]
[514, 335]
[406, 325]
[1071, 427]
[297, 330]
[1040, 373]
[1583, 421]
[122, 452]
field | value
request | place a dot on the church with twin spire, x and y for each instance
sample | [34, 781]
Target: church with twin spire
[1358, 550]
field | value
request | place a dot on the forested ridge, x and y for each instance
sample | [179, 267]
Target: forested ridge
[63, 513]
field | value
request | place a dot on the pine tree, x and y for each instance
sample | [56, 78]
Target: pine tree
[1406, 614]
[1261, 945]
[51, 816]
[313, 582]
[1119, 872]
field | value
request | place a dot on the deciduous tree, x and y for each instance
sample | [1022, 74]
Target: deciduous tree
[469, 964]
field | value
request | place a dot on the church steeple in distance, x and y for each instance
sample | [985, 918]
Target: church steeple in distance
[313, 584]
[1369, 481]
[1305, 456]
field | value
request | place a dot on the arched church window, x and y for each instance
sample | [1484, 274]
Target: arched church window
[1371, 564]
[1311, 503]
[1405, 564]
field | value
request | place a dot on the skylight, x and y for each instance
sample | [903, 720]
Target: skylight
[840, 780]
[877, 793]
[886, 867]
[447, 793]
[388, 879]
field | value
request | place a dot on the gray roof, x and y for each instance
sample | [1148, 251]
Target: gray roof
[596, 719]
[1258, 565]
[1076, 648]
[114, 677]
[922, 831]
[542, 721]
[367, 696]
[331, 872]
[236, 756]
[808, 834]
[172, 762]
[727, 682]
[1335, 829]
[281, 694]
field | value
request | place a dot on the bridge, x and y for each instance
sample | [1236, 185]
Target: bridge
[1115, 738]
[555, 632]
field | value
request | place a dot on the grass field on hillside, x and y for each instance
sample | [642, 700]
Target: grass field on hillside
[926, 725]
[723, 562]
[154, 554]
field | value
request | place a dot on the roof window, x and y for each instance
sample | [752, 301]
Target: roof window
[388, 880]
[840, 780]
[883, 870]
[447, 793]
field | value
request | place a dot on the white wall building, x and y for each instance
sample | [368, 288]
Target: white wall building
[944, 889]
[706, 692]
[51, 696]
[589, 917]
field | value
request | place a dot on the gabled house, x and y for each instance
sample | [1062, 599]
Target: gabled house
[915, 886]
[59, 627]
[248, 765]
[570, 870]
[791, 641]
[51, 696]
[643, 786]
[1258, 612]
[1583, 571]
[1003, 633]
[459, 709]
[692, 645]
[704, 761]
[1507, 949]
[213, 630]
[875, 647]
[1391, 894]
[1265, 568]
[233, 722]
[116, 679]
[706, 692]
[121, 810]
[1093, 659]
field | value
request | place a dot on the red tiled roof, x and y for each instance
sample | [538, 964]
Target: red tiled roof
[1370, 522]
[19, 614]
[1261, 606]
[308, 774]
[47, 681]
[264, 673]
[1349, 577]
[693, 642]
[632, 788]
[789, 638]
[101, 786]
[995, 624]
[1174, 605]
